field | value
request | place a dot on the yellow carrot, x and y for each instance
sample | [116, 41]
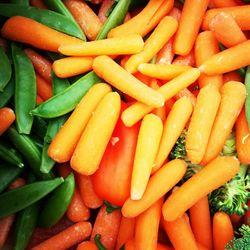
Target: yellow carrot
[205, 109]
[174, 125]
[162, 33]
[147, 146]
[137, 110]
[118, 77]
[92, 144]
[64, 143]
[131, 44]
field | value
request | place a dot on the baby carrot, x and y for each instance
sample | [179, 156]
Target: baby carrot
[166, 54]
[39, 4]
[173, 126]
[159, 184]
[137, 110]
[44, 89]
[246, 218]
[5, 226]
[72, 66]
[131, 44]
[188, 94]
[118, 77]
[232, 76]
[66, 238]
[91, 146]
[146, 149]
[206, 45]
[225, 3]
[104, 7]
[130, 245]
[188, 60]
[161, 34]
[222, 230]
[212, 176]
[26, 30]
[226, 30]
[180, 233]
[242, 138]
[200, 127]
[162, 71]
[87, 245]
[202, 231]
[232, 100]
[147, 226]
[85, 17]
[7, 117]
[62, 146]
[39, 100]
[189, 25]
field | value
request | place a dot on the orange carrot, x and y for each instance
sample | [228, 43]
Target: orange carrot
[166, 54]
[202, 231]
[222, 230]
[161, 34]
[85, 17]
[87, 192]
[226, 30]
[64, 170]
[118, 77]
[66, 238]
[87, 245]
[186, 93]
[247, 215]
[189, 27]
[105, 5]
[130, 245]
[239, 13]
[232, 100]
[18, 182]
[214, 175]
[41, 64]
[242, 138]
[226, 3]
[63, 145]
[163, 247]
[188, 60]
[126, 231]
[72, 66]
[236, 219]
[180, 233]
[107, 225]
[77, 211]
[205, 110]
[5, 226]
[232, 76]
[39, 100]
[26, 30]
[206, 45]
[159, 184]
[147, 226]
[173, 126]
[7, 117]
[44, 89]
[38, 4]
[175, 13]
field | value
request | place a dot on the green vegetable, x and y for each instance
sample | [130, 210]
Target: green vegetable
[5, 69]
[57, 203]
[7, 93]
[20, 198]
[98, 243]
[66, 100]
[39, 127]
[25, 89]
[49, 18]
[247, 102]
[242, 242]
[22, 2]
[110, 208]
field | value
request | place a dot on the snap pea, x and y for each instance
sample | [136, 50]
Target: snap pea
[57, 203]
[7, 93]
[17, 199]
[8, 173]
[25, 89]
[247, 102]
[59, 84]
[26, 222]
[10, 155]
[49, 18]
[66, 100]
[29, 150]
[23, 2]
[115, 18]
[5, 69]
[39, 127]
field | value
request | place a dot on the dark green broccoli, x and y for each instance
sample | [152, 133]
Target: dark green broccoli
[242, 242]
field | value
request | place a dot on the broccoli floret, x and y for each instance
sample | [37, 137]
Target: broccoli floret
[242, 242]
[229, 148]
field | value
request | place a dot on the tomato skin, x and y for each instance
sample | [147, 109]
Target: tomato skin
[112, 179]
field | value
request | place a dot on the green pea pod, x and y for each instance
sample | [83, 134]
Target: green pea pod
[58, 202]
[10, 155]
[5, 69]
[49, 18]
[25, 89]
[26, 222]
[67, 100]
[39, 127]
[59, 84]
[17, 199]
[22, 2]
[37, 141]
[7, 93]
[8, 173]
[116, 18]
[29, 150]
[247, 102]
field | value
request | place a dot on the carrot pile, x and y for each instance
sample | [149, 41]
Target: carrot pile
[167, 68]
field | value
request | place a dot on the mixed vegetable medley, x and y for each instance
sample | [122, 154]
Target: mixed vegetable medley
[125, 125]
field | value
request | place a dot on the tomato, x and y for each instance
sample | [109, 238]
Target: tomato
[112, 180]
